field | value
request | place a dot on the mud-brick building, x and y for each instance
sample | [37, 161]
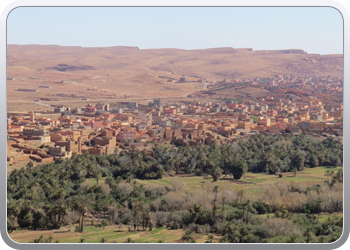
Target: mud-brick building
[105, 141]
[35, 132]
[70, 145]
[57, 151]
[98, 150]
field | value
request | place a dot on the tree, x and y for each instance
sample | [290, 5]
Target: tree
[97, 173]
[223, 205]
[314, 161]
[297, 161]
[237, 168]
[215, 190]
[335, 161]
[188, 235]
[212, 169]
[248, 207]
[293, 239]
[308, 235]
[82, 204]
[30, 165]
[224, 239]
[241, 194]
[210, 238]
[129, 240]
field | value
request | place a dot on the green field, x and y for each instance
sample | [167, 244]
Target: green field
[111, 234]
[250, 181]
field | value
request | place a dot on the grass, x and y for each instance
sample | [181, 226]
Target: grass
[324, 217]
[91, 236]
[95, 237]
[92, 181]
[158, 230]
[250, 181]
[92, 229]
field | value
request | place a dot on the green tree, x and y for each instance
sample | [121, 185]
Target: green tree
[82, 204]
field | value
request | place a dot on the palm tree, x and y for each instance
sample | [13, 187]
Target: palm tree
[210, 238]
[129, 240]
[308, 235]
[97, 173]
[237, 168]
[322, 239]
[293, 239]
[224, 239]
[82, 204]
[215, 190]
[240, 194]
[327, 174]
[223, 203]
[188, 235]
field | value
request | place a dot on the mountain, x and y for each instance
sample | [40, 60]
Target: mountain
[122, 70]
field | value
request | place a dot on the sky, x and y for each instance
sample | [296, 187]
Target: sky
[317, 30]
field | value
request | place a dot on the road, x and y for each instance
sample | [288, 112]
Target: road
[44, 105]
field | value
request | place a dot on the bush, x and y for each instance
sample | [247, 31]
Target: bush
[278, 227]
[261, 207]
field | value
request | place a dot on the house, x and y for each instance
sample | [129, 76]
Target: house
[70, 145]
[170, 110]
[264, 121]
[274, 129]
[305, 125]
[59, 109]
[294, 129]
[90, 108]
[126, 136]
[244, 125]
[35, 132]
[57, 150]
[103, 141]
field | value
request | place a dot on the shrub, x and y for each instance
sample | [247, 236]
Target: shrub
[261, 207]
[278, 227]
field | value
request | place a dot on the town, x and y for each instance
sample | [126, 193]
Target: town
[294, 104]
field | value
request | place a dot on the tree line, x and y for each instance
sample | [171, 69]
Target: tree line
[49, 196]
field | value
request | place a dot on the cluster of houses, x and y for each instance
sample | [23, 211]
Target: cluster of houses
[99, 129]
[322, 87]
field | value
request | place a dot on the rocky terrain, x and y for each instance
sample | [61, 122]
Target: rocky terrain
[60, 73]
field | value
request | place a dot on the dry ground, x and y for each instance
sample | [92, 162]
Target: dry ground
[119, 72]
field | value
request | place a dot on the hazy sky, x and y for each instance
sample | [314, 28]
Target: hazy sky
[313, 29]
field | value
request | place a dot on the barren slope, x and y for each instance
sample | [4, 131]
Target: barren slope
[116, 72]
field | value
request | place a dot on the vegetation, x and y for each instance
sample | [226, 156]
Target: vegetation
[61, 193]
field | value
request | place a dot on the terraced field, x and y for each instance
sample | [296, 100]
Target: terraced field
[111, 234]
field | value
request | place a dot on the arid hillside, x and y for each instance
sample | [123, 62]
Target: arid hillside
[60, 73]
